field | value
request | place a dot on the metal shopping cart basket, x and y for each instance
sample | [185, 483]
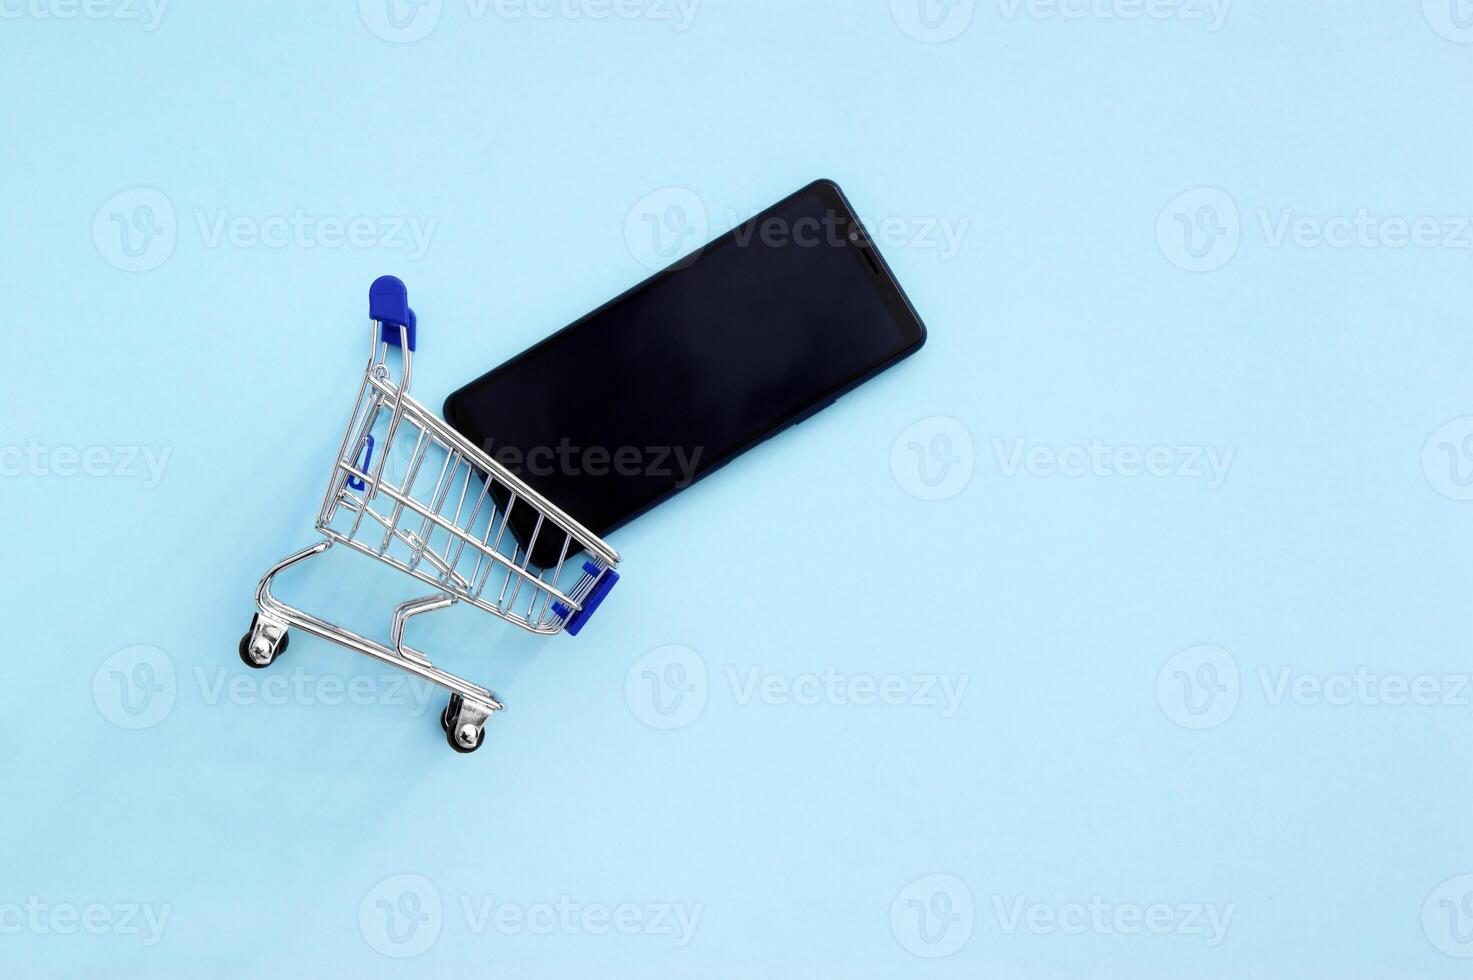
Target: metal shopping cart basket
[413, 493]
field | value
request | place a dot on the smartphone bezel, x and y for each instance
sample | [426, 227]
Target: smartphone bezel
[911, 329]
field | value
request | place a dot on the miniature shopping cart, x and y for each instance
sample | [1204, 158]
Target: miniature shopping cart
[408, 490]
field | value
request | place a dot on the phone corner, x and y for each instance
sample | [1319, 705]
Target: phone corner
[447, 408]
[828, 184]
[914, 346]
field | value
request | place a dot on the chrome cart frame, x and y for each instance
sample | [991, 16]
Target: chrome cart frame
[436, 507]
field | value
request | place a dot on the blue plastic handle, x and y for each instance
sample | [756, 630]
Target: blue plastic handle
[388, 303]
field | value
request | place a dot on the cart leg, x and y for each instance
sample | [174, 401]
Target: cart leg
[464, 718]
[402, 615]
[267, 638]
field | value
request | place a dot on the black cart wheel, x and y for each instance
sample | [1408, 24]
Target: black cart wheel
[463, 749]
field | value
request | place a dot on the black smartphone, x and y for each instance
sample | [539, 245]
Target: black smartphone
[752, 333]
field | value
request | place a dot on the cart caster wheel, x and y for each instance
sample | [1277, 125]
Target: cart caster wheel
[256, 650]
[465, 747]
[464, 736]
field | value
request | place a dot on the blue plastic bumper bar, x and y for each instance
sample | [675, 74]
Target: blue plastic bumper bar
[596, 596]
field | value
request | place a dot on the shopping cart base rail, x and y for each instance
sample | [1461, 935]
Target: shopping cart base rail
[470, 707]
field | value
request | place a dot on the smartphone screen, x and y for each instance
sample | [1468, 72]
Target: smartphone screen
[689, 369]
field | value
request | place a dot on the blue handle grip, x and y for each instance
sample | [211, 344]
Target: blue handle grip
[388, 303]
[595, 598]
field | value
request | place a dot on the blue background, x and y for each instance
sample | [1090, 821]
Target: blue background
[1063, 318]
